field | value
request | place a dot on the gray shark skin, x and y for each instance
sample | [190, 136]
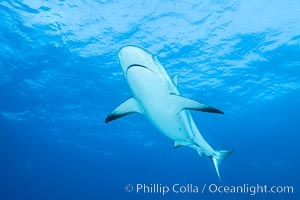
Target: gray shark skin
[155, 95]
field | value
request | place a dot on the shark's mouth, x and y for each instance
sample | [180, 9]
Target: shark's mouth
[137, 65]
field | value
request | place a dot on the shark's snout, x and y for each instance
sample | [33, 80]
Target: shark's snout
[135, 56]
[129, 51]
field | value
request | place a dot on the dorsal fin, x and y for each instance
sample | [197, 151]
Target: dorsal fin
[175, 79]
[126, 108]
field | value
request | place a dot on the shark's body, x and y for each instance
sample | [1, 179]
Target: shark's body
[156, 96]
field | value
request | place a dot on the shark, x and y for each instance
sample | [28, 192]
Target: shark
[155, 95]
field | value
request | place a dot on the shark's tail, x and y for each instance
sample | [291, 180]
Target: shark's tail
[218, 157]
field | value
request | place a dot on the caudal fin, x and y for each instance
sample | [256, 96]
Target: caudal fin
[218, 157]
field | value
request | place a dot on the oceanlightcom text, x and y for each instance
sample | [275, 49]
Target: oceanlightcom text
[177, 188]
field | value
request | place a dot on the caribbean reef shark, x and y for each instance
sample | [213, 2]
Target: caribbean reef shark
[155, 95]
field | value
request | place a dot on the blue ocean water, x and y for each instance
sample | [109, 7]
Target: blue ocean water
[60, 77]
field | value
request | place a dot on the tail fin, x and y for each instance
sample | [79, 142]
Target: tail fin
[218, 157]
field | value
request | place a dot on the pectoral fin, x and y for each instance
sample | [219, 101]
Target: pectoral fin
[126, 108]
[185, 103]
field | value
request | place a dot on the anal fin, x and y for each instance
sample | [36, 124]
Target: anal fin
[178, 144]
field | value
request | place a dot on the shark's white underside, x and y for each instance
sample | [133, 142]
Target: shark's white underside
[155, 95]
